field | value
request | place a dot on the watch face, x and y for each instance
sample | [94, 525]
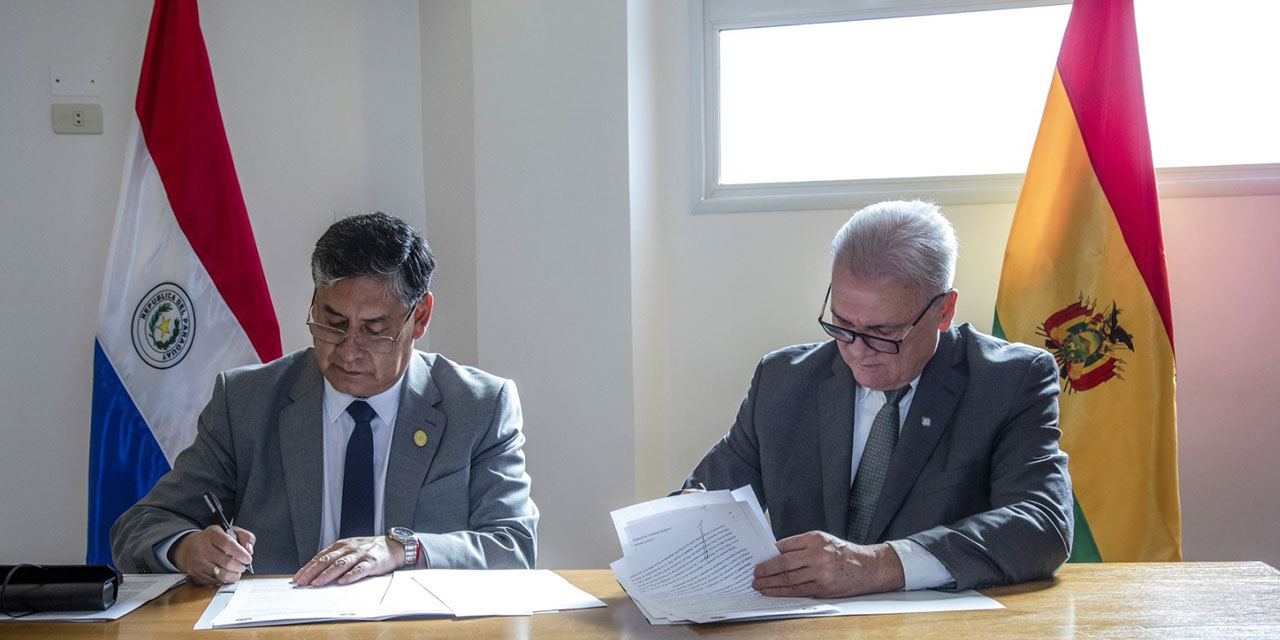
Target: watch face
[401, 532]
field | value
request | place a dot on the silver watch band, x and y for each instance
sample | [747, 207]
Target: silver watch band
[410, 543]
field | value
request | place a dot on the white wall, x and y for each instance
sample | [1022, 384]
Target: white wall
[552, 263]
[527, 105]
[57, 199]
[448, 138]
[322, 106]
[650, 276]
[1222, 264]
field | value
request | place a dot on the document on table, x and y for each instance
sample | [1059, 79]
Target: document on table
[503, 592]
[402, 594]
[135, 591]
[691, 558]
[271, 601]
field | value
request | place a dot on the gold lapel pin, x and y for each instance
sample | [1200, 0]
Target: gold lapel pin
[420, 438]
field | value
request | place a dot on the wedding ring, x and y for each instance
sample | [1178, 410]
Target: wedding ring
[216, 570]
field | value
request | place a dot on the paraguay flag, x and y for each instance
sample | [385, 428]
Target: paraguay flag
[183, 296]
[1084, 277]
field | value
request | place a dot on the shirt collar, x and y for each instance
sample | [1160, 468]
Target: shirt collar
[862, 392]
[385, 404]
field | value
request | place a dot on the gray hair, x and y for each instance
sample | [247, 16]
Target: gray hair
[378, 246]
[908, 241]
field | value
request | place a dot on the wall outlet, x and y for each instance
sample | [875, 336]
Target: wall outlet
[77, 118]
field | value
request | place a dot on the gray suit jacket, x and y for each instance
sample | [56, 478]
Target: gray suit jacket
[259, 448]
[976, 478]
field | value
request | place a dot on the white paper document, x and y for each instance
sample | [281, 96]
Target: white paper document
[922, 601]
[503, 592]
[272, 601]
[135, 591]
[691, 558]
[403, 594]
[216, 605]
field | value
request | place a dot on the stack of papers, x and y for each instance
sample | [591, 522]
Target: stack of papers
[422, 593]
[692, 557]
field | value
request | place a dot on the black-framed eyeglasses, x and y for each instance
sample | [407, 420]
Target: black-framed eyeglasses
[373, 344]
[875, 343]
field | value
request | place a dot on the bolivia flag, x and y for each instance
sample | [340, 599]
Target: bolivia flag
[183, 296]
[1084, 277]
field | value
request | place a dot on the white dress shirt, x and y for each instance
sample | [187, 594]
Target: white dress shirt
[338, 425]
[920, 568]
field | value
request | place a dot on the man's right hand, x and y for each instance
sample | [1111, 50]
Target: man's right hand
[211, 557]
[820, 565]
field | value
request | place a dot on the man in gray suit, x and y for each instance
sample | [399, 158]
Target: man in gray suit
[353, 458]
[905, 453]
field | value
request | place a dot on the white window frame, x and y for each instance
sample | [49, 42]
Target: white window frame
[711, 16]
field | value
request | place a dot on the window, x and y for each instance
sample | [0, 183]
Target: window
[823, 104]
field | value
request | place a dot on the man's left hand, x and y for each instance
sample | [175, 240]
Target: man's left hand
[349, 560]
[820, 565]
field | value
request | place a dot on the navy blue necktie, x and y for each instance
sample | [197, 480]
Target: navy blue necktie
[357, 476]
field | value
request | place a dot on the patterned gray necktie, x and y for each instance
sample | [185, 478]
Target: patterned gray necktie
[874, 466]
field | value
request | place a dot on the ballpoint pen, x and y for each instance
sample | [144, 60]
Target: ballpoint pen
[215, 507]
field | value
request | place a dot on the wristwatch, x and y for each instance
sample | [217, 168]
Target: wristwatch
[409, 541]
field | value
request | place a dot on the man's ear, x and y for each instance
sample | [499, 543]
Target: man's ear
[422, 315]
[948, 310]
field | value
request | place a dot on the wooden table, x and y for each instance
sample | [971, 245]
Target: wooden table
[1157, 600]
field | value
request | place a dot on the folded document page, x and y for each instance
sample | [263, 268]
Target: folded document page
[691, 558]
[499, 592]
[273, 601]
[422, 593]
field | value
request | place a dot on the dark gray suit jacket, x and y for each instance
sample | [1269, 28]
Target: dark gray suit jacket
[259, 448]
[982, 486]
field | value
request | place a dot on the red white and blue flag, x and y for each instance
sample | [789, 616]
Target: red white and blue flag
[183, 296]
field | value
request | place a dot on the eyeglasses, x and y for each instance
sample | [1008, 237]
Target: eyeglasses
[372, 344]
[875, 343]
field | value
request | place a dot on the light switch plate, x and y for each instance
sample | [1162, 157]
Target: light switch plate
[77, 118]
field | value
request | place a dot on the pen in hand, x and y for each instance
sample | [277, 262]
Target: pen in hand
[215, 507]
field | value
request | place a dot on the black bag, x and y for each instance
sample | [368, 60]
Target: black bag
[67, 587]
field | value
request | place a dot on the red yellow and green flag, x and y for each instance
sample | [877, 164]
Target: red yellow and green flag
[1084, 276]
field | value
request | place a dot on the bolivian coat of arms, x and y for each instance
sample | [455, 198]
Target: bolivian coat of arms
[1086, 343]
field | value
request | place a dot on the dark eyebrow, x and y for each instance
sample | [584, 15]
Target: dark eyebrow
[334, 312]
[330, 311]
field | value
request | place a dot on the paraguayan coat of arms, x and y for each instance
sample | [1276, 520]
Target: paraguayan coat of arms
[164, 325]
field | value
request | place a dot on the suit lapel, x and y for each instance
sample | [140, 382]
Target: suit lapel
[409, 461]
[302, 455]
[941, 387]
[835, 436]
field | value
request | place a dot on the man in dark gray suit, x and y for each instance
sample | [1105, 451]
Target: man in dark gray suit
[317, 454]
[905, 453]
